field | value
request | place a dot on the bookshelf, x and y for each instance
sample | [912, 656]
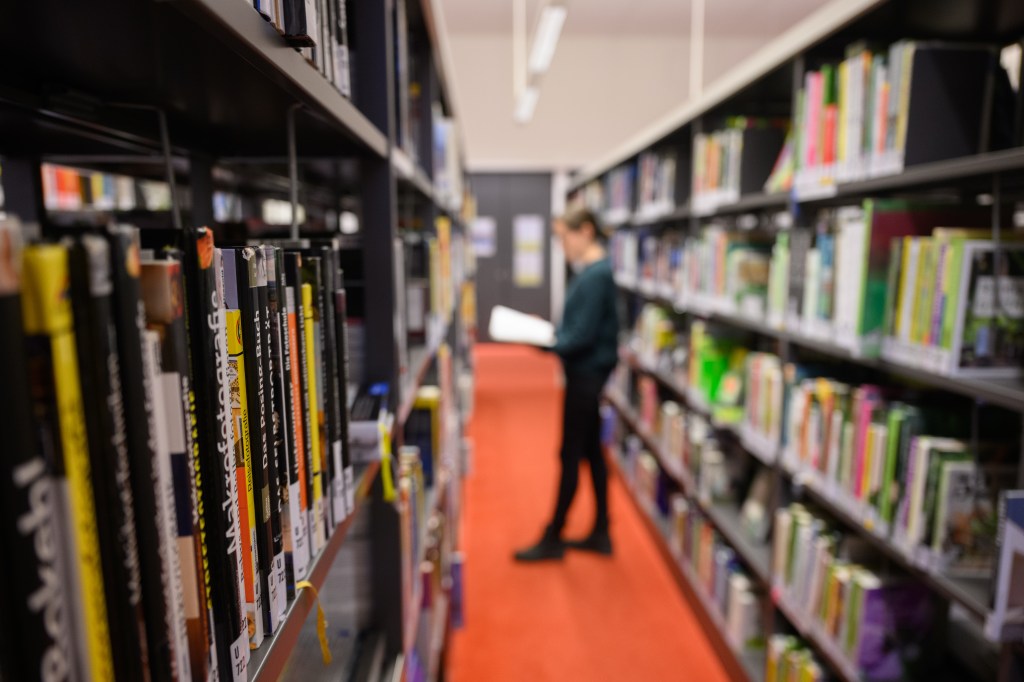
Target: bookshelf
[206, 99]
[710, 258]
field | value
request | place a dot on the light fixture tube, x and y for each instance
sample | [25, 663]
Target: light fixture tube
[552, 18]
[526, 103]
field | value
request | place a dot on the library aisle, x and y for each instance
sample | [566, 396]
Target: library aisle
[587, 617]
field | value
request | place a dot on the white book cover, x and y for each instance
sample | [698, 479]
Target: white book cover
[512, 326]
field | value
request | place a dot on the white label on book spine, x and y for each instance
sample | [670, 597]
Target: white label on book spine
[338, 484]
[240, 658]
[280, 602]
[300, 536]
[273, 588]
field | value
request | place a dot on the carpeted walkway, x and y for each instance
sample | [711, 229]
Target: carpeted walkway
[586, 618]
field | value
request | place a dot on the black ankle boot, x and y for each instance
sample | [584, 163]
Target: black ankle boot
[550, 547]
[598, 542]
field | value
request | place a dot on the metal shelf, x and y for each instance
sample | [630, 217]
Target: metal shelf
[1008, 393]
[409, 171]
[224, 76]
[740, 665]
[725, 518]
[269, 660]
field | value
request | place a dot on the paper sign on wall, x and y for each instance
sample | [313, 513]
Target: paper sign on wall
[528, 251]
[484, 232]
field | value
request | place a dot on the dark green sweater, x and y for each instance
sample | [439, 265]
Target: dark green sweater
[587, 338]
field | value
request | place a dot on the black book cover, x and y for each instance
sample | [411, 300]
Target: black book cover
[277, 595]
[36, 614]
[257, 389]
[280, 380]
[312, 275]
[163, 296]
[129, 319]
[106, 432]
[341, 330]
[293, 271]
[213, 456]
[331, 278]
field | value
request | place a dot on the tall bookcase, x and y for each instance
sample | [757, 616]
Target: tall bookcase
[660, 203]
[207, 97]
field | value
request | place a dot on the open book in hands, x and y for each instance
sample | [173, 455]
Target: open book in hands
[512, 326]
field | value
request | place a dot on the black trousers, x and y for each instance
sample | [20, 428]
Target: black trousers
[581, 440]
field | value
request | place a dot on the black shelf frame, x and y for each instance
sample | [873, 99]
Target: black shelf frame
[95, 78]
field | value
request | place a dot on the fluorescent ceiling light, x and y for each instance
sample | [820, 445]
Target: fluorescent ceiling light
[526, 103]
[548, 29]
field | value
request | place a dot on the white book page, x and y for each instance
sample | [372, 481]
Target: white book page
[512, 326]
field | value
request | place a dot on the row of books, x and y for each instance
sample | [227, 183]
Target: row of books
[887, 278]
[656, 183]
[319, 29]
[909, 469]
[884, 626]
[718, 574]
[73, 189]
[733, 161]
[710, 564]
[874, 113]
[177, 447]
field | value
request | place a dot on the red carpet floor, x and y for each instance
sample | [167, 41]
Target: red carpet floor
[585, 618]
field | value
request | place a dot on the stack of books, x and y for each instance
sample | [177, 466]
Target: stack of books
[733, 161]
[617, 208]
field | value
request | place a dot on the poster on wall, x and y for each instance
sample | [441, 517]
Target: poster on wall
[528, 251]
[484, 232]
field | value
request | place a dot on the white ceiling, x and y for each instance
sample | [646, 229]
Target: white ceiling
[635, 17]
[619, 66]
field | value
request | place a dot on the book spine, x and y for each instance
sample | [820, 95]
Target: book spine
[216, 494]
[239, 362]
[280, 422]
[57, 404]
[298, 504]
[313, 274]
[329, 331]
[129, 317]
[258, 429]
[109, 459]
[163, 296]
[164, 492]
[269, 503]
[35, 597]
[316, 524]
[304, 344]
[341, 323]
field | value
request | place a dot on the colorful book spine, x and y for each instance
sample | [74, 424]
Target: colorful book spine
[241, 412]
[298, 505]
[57, 405]
[317, 522]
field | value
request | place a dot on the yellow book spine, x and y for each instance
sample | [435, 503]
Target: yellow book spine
[243, 474]
[47, 312]
[320, 531]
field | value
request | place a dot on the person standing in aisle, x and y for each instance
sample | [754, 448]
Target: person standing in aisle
[587, 343]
